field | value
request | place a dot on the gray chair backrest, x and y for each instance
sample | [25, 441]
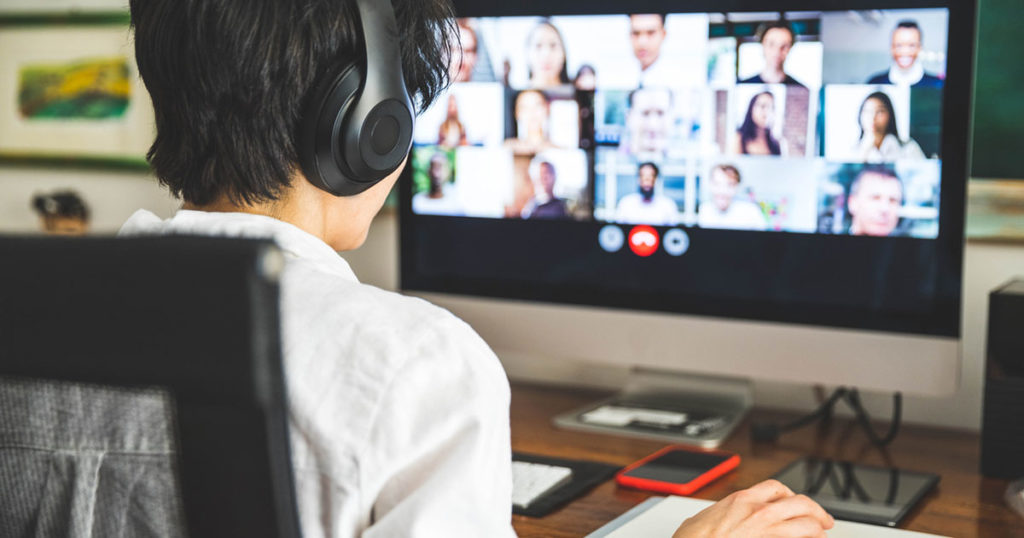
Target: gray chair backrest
[196, 317]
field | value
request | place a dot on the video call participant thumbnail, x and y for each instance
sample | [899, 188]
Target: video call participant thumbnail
[464, 54]
[876, 196]
[648, 123]
[546, 56]
[879, 138]
[440, 198]
[646, 206]
[777, 39]
[906, 70]
[755, 136]
[724, 210]
[647, 35]
[544, 204]
[532, 116]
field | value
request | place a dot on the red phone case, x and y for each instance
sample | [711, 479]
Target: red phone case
[730, 463]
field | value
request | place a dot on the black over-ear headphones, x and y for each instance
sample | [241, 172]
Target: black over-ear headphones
[356, 128]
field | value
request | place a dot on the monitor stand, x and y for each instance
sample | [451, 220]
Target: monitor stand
[665, 405]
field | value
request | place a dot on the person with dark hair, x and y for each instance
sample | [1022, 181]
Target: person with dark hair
[906, 70]
[876, 196]
[586, 78]
[647, 206]
[879, 139]
[777, 39]
[648, 123]
[647, 34]
[546, 56]
[452, 132]
[532, 115]
[62, 213]
[544, 204]
[440, 197]
[723, 210]
[754, 137]
[398, 410]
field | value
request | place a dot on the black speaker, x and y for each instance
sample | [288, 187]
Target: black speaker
[1002, 425]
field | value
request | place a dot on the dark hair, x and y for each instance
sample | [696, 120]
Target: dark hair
[563, 75]
[730, 171]
[64, 204]
[781, 25]
[663, 16]
[657, 171]
[748, 131]
[909, 24]
[874, 170]
[229, 80]
[883, 98]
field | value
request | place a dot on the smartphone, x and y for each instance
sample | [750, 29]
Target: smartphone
[677, 470]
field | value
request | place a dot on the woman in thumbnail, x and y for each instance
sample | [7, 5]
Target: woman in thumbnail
[532, 112]
[545, 54]
[754, 137]
[879, 140]
[452, 132]
[586, 79]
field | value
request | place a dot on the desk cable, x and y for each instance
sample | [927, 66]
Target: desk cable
[770, 431]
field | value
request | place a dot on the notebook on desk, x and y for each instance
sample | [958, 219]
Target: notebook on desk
[661, 516]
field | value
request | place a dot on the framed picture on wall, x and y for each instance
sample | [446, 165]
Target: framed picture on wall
[70, 90]
[30, 7]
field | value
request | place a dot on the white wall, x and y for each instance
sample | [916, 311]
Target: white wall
[986, 266]
[112, 196]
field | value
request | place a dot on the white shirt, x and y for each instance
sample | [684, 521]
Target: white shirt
[662, 74]
[907, 77]
[398, 410]
[740, 215]
[659, 211]
[891, 150]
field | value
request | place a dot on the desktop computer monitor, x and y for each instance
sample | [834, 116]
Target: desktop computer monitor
[762, 189]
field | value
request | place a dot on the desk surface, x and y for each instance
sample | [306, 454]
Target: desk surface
[964, 504]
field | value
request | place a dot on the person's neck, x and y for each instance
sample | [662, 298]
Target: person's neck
[299, 204]
[773, 76]
[879, 138]
[649, 64]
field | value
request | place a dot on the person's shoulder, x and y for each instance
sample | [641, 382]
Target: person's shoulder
[879, 78]
[756, 79]
[790, 81]
[930, 81]
[629, 200]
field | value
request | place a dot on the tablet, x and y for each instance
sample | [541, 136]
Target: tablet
[854, 492]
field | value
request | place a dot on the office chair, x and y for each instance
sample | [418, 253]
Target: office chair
[196, 316]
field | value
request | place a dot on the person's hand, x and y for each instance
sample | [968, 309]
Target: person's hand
[767, 510]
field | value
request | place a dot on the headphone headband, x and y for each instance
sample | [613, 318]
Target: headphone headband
[357, 127]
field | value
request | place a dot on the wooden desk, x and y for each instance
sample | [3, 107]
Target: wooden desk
[964, 504]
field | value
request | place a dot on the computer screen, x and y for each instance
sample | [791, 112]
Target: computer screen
[745, 160]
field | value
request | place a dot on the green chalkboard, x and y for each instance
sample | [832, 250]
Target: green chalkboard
[999, 92]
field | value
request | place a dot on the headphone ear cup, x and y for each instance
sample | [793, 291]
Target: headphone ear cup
[322, 131]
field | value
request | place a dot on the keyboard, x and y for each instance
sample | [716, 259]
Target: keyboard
[531, 481]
